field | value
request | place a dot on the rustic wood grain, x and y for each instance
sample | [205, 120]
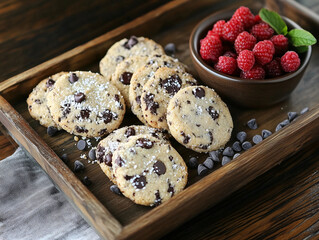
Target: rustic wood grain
[7, 144]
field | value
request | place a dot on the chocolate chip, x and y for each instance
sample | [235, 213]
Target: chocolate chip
[170, 49]
[139, 181]
[73, 78]
[86, 181]
[66, 109]
[127, 177]
[170, 189]
[38, 101]
[81, 129]
[303, 111]
[257, 139]
[79, 97]
[202, 170]
[241, 136]
[138, 100]
[92, 154]
[228, 152]
[292, 116]
[252, 124]
[116, 190]
[225, 160]
[158, 199]
[214, 155]
[278, 127]
[131, 42]
[246, 145]
[150, 103]
[107, 116]
[265, 133]
[119, 58]
[236, 155]
[170, 158]
[172, 84]
[199, 92]
[125, 78]
[192, 162]
[186, 138]
[159, 168]
[81, 145]
[119, 161]
[78, 166]
[129, 132]
[51, 131]
[103, 132]
[188, 102]
[85, 113]
[108, 159]
[282, 124]
[208, 163]
[236, 146]
[100, 151]
[50, 83]
[144, 143]
[65, 157]
[212, 112]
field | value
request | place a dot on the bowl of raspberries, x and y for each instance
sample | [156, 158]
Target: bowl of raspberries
[254, 60]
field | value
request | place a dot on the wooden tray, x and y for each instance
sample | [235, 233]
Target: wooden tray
[115, 217]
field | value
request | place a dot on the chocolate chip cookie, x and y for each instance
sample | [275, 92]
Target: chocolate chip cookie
[158, 91]
[86, 104]
[148, 171]
[199, 119]
[37, 101]
[135, 46]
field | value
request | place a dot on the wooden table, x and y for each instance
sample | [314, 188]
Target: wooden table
[281, 204]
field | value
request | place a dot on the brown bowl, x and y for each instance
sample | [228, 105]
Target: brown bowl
[244, 92]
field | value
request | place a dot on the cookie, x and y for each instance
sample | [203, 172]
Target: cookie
[142, 75]
[158, 91]
[199, 119]
[37, 101]
[135, 46]
[121, 78]
[148, 171]
[108, 145]
[86, 104]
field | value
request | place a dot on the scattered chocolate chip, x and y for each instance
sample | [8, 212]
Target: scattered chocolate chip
[81, 129]
[202, 170]
[108, 159]
[51, 131]
[208, 163]
[170, 158]
[85, 113]
[158, 199]
[150, 103]
[73, 78]
[172, 84]
[66, 109]
[78, 166]
[119, 58]
[79, 97]
[292, 116]
[144, 143]
[86, 181]
[225, 160]
[214, 155]
[119, 161]
[103, 132]
[129, 132]
[125, 78]
[138, 100]
[171, 189]
[50, 83]
[282, 124]
[228, 152]
[236, 146]
[116, 190]
[257, 139]
[186, 138]
[65, 157]
[199, 92]
[192, 162]
[100, 151]
[246, 145]
[252, 124]
[159, 168]
[139, 181]
[303, 111]
[212, 112]
[236, 155]
[241, 136]
[81, 145]
[38, 101]
[265, 133]
[170, 49]
[92, 154]
[131, 42]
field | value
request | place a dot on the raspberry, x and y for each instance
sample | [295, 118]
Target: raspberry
[246, 60]
[226, 65]
[211, 48]
[280, 43]
[273, 69]
[262, 31]
[257, 19]
[231, 30]
[264, 51]
[257, 72]
[211, 33]
[230, 54]
[244, 15]
[244, 41]
[290, 61]
[218, 27]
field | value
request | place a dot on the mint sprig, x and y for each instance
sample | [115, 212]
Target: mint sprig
[299, 38]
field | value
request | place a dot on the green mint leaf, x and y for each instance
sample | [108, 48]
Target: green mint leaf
[300, 37]
[274, 20]
[302, 49]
